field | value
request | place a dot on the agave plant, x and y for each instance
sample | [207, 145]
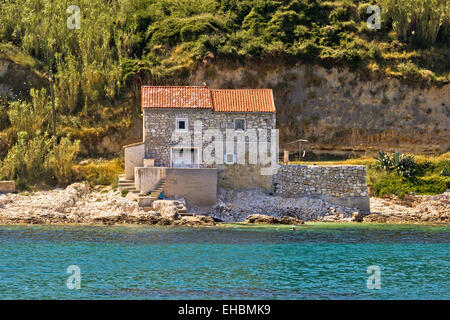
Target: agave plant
[384, 161]
[404, 165]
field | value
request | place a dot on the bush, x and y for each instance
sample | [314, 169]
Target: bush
[39, 161]
[99, 172]
[404, 165]
[383, 183]
[61, 159]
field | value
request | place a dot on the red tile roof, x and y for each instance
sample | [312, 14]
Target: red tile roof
[201, 97]
[243, 100]
[176, 97]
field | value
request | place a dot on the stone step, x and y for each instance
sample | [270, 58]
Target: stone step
[185, 214]
[145, 201]
[126, 184]
[133, 190]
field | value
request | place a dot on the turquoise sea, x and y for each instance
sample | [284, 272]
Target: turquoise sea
[318, 261]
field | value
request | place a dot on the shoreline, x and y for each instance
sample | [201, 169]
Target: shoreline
[221, 225]
[81, 205]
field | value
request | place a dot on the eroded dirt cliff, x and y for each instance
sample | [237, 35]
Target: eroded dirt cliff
[342, 110]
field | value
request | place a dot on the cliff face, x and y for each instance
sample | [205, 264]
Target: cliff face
[16, 80]
[338, 110]
[343, 111]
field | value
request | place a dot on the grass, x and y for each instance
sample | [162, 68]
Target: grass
[430, 179]
[12, 53]
[100, 172]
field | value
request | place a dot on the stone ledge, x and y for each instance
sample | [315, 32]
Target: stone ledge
[7, 186]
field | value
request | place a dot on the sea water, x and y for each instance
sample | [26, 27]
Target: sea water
[317, 261]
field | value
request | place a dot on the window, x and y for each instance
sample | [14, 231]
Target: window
[182, 124]
[239, 124]
[229, 158]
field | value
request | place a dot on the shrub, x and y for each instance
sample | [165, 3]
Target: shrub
[25, 161]
[99, 172]
[404, 165]
[61, 159]
[40, 160]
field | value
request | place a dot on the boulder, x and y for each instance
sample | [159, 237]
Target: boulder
[7, 186]
[266, 219]
[170, 209]
[195, 221]
[291, 220]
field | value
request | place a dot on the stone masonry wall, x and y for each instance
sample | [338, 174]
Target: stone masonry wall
[344, 185]
[159, 126]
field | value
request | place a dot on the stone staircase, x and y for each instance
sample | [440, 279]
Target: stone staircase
[146, 200]
[127, 184]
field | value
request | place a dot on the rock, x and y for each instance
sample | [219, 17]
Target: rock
[265, 219]
[357, 217]
[7, 186]
[235, 206]
[195, 221]
[411, 209]
[291, 220]
[170, 209]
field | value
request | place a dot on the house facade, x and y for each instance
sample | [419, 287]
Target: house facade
[196, 139]
[187, 129]
[174, 115]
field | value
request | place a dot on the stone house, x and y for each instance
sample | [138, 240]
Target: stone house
[196, 138]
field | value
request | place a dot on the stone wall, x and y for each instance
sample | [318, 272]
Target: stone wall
[241, 177]
[146, 178]
[159, 129]
[198, 187]
[343, 185]
[134, 157]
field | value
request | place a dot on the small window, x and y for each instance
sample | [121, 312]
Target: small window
[239, 124]
[182, 124]
[230, 158]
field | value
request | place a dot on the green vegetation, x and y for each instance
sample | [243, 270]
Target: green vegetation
[99, 172]
[400, 174]
[39, 160]
[123, 44]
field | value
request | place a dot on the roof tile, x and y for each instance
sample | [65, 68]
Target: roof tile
[201, 97]
[243, 100]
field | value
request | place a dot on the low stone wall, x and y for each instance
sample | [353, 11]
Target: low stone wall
[196, 186]
[343, 185]
[146, 178]
[7, 186]
[134, 157]
[241, 177]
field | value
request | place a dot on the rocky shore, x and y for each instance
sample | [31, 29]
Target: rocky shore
[238, 205]
[411, 209]
[81, 204]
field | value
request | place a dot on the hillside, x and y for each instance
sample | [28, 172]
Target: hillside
[337, 83]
